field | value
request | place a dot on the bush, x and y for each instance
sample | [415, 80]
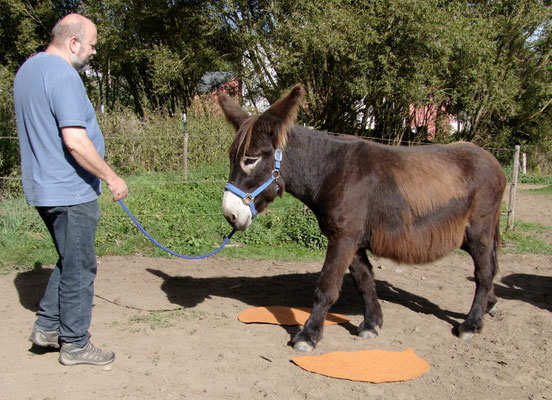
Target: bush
[9, 148]
[133, 145]
[529, 178]
[157, 142]
[302, 227]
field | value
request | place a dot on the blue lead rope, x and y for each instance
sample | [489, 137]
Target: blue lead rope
[167, 250]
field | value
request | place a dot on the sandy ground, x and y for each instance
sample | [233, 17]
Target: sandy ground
[173, 325]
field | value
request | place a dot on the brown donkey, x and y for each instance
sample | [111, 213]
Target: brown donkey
[409, 204]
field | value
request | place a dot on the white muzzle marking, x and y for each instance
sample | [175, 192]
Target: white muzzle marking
[235, 212]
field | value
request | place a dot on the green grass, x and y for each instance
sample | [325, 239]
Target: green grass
[158, 319]
[24, 240]
[543, 190]
[185, 216]
[528, 238]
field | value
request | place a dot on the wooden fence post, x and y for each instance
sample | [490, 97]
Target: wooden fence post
[524, 163]
[185, 150]
[513, 187]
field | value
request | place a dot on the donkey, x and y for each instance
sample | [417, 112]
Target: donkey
[409, 204]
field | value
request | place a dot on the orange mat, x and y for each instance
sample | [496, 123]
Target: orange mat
[280, 315]
[375, 366]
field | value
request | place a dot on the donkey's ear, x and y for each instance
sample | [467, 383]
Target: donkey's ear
[232, 111]
[283, 113]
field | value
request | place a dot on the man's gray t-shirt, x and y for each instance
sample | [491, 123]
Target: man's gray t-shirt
[49, 95]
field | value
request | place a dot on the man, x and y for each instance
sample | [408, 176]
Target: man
[62, 151]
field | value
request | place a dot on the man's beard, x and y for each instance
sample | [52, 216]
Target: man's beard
[81, 66]
[80, 63]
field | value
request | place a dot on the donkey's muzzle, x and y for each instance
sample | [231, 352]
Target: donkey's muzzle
[236, 212]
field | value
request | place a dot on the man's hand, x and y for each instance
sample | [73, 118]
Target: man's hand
[118, 188]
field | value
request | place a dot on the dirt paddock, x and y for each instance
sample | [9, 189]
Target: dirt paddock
[173, 325]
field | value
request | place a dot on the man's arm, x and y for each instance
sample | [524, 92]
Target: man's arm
[84, 152]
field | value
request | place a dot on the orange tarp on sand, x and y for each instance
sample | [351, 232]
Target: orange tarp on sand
[280, 315]
[375, 366]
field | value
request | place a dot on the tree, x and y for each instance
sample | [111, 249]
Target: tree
[366, 63]
[151, 54]
[23, 32]
[359, 60]
[493, 69]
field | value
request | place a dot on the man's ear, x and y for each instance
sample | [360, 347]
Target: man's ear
[73, 44]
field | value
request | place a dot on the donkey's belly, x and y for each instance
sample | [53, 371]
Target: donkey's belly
[415, 246]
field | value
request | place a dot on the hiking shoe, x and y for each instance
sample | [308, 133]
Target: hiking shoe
[71, 354]
[44, 338]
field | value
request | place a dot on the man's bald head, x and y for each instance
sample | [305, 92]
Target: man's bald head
[72, 25]
[74, 38]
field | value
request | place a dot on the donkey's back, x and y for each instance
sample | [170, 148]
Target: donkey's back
[420, 202]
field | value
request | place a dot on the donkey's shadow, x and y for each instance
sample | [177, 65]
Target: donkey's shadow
[292, 290]
[533, 289]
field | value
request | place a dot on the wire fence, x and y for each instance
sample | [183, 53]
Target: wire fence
[514, 153]
[493, 150]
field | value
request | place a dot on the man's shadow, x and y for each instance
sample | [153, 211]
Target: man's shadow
[31, 285]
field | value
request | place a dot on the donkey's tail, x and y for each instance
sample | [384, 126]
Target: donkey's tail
[497, 246]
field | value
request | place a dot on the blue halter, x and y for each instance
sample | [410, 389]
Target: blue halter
[248, 198]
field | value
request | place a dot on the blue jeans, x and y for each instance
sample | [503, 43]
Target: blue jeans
[67, 302]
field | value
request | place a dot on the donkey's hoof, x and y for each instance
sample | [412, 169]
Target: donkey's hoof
[464, 334]
[493, 311]
[368, 333]
[303, 347]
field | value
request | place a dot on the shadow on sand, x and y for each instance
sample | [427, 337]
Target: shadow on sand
[297, 290]
[292, 290]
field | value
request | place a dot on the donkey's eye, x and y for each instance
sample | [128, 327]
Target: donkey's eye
[249, 160]
[248, 163]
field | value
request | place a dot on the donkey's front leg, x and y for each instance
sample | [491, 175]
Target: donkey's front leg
[338, 258]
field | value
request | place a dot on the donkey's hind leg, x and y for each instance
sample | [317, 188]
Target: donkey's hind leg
[483, 248]
[363, 274]
[492, 308]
